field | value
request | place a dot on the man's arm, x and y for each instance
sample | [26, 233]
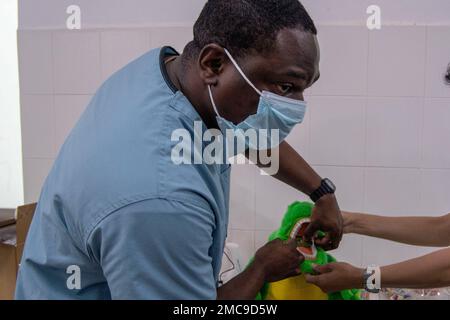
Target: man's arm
[245, 286]
[296, 172]
[156, 250]
[291, 169]
[421, 231]
[429, 271]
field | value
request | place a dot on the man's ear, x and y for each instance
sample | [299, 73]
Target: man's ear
[211, 61]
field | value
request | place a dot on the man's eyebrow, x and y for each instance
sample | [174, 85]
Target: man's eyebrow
[297, 74]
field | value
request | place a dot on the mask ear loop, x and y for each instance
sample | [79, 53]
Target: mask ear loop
[242, 72]
[212, 101]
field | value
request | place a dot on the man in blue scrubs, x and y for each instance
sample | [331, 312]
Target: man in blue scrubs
[119, 219]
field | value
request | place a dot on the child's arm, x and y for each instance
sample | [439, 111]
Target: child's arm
[421, 231]
[429, 271]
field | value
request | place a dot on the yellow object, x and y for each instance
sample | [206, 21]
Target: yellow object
[295, 288]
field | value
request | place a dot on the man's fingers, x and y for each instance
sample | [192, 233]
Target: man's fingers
[301, 257]
[336, 237]
[291, 243]
[326, 243]
[321, 242]
[311, 231]
[330, 241]
[294, 273]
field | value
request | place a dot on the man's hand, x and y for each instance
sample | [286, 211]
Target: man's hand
[326, 216]
[279, 260]
[337, 276]
[276, 261]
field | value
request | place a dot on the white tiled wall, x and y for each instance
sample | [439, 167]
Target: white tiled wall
[60, 70]
[378, 122]
[128, 43]
[397, 62]
[394, 130]
[343, 50]
[337, 130]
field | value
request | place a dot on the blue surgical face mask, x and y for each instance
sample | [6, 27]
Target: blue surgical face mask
[274, 112]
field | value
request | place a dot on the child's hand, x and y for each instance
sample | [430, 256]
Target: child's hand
[348, 221]
[352, 221]
[337, 276]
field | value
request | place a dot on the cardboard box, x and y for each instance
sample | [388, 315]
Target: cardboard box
[13, 234]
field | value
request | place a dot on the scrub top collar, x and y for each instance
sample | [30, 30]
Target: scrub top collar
[166, 52]
[179, 101]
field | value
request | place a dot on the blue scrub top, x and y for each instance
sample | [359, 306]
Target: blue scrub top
[116, 207]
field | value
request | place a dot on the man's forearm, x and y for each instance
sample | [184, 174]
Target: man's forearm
[294, 170]
[244, 286]
[430, 271]
[423, 231]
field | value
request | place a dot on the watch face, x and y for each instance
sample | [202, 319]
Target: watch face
[330, 184]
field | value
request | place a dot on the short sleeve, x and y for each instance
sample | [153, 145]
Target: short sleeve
[156, 250]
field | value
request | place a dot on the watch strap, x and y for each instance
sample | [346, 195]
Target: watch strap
[321, 191]
[372, 279]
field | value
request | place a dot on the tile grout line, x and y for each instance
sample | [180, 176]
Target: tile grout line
[364, 170]
[422, 133]
[52, 52]
[100, 51]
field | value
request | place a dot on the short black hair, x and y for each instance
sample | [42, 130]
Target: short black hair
[243, 26]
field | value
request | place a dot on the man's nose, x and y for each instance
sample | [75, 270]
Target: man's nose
[300, 96]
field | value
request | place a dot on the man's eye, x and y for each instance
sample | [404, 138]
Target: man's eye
[285, 88]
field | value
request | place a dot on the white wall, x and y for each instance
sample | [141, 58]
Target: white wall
[11, 186]
[378, 120]
[109, 13]
[129, 13]
[434, 12]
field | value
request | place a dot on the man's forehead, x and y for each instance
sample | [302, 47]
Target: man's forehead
[298, 47]
[297, 42]
[296, 50]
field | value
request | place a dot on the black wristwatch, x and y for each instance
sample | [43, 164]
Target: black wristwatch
[326, 187]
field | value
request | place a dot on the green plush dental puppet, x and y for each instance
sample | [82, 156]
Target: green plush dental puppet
[294, 224]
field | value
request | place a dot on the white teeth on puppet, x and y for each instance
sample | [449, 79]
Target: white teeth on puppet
[294, 233]
[297, 227]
